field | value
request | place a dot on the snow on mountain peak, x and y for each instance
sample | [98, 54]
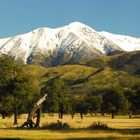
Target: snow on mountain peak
[69, 44]
[127, 43]
[77, 24]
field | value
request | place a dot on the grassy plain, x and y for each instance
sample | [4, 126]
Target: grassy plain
[123, 128]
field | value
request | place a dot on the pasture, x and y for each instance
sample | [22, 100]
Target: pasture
[123, 128]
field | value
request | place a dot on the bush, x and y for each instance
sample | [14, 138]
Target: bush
[57, 125]
[98, 125]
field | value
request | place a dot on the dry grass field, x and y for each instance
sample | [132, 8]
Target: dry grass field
[123, 128]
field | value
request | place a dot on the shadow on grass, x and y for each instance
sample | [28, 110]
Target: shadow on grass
[11, 139]
[119, 131]
[110, 138]
[128, 131]
[125, 131]
[70, 139]
[135, 131]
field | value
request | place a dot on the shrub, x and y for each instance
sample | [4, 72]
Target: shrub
[98, 125]
[57, 125]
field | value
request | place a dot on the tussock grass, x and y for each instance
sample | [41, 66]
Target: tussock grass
[99, 126]
[56, 126]
[120, 122]
[123, 128]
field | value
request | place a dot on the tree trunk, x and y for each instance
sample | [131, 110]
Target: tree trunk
[91, 114]
[61, 109]
[61, 115]
[112, 115]
[130, 115]
[81, 114]
[103, 113]
[36, 107]
[95, 113]
[72, 115]
[16, 115]
[3, 116]
[38, 118]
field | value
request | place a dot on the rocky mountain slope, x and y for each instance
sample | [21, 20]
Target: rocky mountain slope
[72, 43]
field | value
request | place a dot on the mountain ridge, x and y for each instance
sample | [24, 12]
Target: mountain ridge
[68, 44]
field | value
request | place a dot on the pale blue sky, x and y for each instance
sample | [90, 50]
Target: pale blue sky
[116, 16]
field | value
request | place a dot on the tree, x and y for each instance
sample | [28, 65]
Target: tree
[130, 96]
[81, 107]
[20, 91]
[15, 85]
[57, 90]
[72, 105]
[114, 102]
[7, 67]
[133, 96]
[5, 107]
[136, 101]
[94, 103]
[36, 109]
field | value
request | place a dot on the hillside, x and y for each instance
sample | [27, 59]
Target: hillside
[106, 72]
[125, 61]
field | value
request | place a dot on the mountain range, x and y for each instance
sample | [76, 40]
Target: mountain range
[69, 44]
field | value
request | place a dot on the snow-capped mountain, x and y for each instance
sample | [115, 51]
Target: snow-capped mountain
[127, 43]
[69, 44]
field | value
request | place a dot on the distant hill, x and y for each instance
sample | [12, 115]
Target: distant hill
[107, 72]
[126, 61]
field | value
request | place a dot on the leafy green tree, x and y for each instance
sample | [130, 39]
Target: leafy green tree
[15, 85]
[72, 105]
[136, 101]
[114, 102]
[56, 101]
[94, 103]
[81, 107]
[5, 106]
[7, 67]
[133, 96]
[20, 91]
[130, 95]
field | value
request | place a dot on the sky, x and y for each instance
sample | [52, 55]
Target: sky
[115, 16]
